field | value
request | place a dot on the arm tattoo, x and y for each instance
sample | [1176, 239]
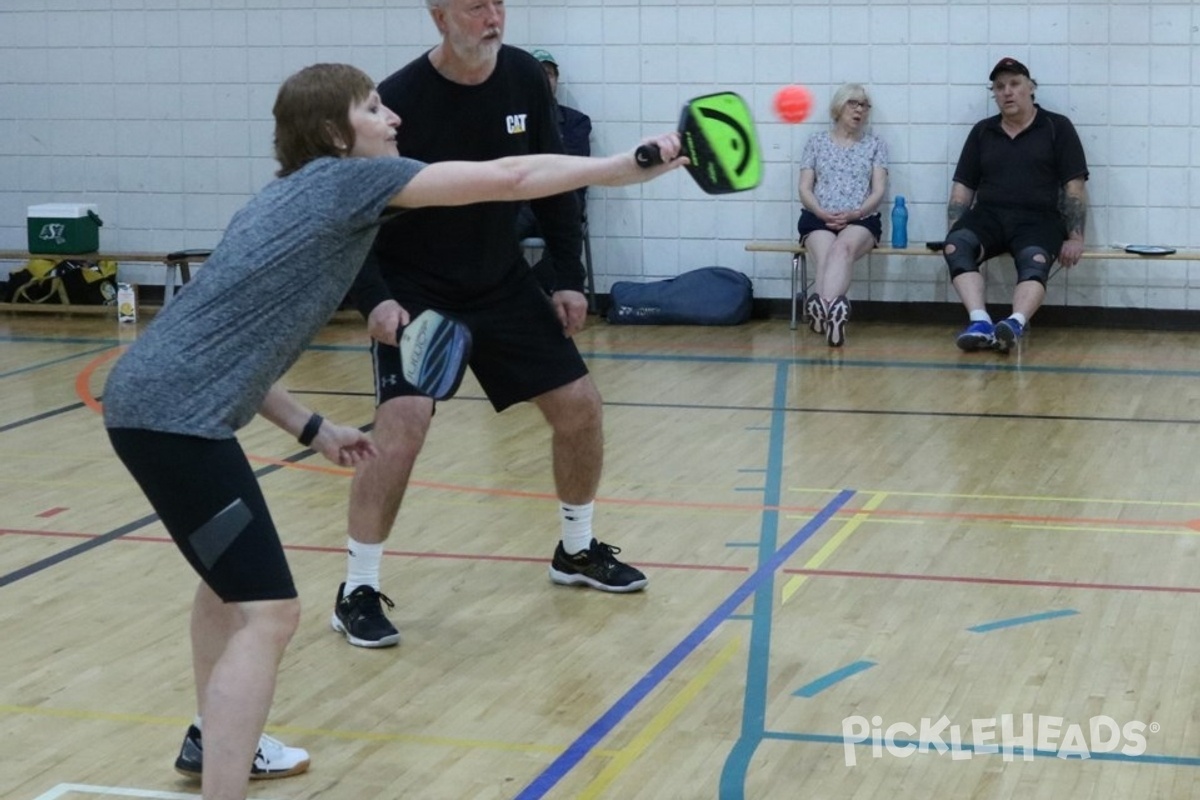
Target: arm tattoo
[1074, 212]
[954, 211]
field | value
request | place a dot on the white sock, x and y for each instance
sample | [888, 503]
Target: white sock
[362, 565]
[1019, 317]
[197, 722]
[981, 315]
[576, 526]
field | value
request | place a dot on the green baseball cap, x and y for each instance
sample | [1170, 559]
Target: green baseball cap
[543, 56]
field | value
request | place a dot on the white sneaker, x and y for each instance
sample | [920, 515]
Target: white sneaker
[275, 759]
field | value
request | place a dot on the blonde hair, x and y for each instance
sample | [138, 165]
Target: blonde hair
[845, 93]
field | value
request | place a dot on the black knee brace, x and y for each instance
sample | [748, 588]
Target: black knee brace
[1028, 266]
[965, 257]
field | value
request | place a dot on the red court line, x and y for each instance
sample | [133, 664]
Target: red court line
[340, 550]
[816, 573]
[82, 389]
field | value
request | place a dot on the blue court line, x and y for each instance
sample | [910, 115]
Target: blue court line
[759, 583]
[754, 704]
[590, 738]
[982, 750]
[825, 681]
[1008, 623]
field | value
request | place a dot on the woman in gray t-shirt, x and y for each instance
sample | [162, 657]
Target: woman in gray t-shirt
[210, 360]
[843, 176]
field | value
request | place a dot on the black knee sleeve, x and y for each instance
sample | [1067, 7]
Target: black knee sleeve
[965, 257]
[1029, 268]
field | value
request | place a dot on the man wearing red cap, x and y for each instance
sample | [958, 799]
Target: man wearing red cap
[1020, 187]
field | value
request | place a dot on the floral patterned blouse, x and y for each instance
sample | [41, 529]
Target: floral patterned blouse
[843, 174]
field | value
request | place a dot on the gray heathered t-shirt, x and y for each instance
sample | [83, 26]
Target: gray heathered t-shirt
[204, 364]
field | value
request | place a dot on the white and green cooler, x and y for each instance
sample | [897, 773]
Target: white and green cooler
[69, 228]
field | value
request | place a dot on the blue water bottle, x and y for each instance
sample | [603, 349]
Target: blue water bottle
[899, 223]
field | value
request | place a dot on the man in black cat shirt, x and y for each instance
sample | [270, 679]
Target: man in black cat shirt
[473, 98]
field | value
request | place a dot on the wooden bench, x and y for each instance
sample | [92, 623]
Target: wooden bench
[800, 262]
[178, 264]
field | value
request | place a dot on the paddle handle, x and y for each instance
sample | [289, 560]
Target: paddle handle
[648, 155]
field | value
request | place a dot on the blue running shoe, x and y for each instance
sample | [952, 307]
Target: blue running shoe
[1007, 332]
[979, 335]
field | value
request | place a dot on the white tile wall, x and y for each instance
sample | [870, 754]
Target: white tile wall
[159, 111]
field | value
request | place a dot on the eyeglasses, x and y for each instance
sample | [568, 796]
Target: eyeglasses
[861, 105]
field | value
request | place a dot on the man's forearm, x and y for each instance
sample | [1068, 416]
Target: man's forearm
[954, 211]
[960, 203]
[1074, 208]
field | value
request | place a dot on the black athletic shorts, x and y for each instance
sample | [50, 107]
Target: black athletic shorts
[206, 495]
[810, 222]
[1007, 230]
[518, 350]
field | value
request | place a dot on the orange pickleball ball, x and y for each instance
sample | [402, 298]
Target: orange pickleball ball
[792, 103]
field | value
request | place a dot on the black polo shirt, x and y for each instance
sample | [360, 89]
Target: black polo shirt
[1022, 172]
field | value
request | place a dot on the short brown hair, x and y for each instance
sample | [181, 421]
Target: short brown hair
[312, 113]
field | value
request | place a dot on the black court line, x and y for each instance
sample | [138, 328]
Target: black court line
[53, 362]
[79, 549]
[843, 362]
[54, 412]
[103, 539]
[884, 412]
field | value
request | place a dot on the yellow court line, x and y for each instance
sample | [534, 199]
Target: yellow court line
[362, 736]
[876, 520]
[1085, 529]
[645, 737]
[834, 543]
[1033, 498]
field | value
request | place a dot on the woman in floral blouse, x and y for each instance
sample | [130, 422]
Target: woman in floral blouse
[843, 177]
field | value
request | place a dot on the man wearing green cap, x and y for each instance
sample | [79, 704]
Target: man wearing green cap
[576, 128]
[575, 125]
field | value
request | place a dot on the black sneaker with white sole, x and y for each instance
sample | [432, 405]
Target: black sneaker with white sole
[597, 567]
[814, 307]
[835, 321]
[274, 759]
[360, 618]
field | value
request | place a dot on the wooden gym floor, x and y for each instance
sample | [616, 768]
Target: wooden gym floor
[866, 566]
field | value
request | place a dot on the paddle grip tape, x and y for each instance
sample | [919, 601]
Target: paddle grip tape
[648, 155]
